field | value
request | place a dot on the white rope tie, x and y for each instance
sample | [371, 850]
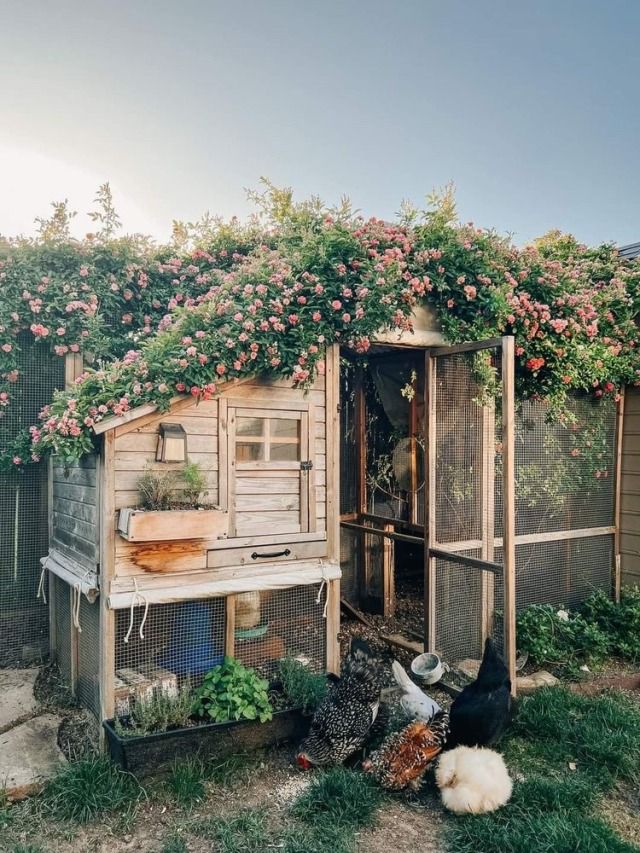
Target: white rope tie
[137, 596]
[319, 596]
[41, 591]
[75, 607]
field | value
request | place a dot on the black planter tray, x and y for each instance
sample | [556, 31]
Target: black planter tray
[146, 754]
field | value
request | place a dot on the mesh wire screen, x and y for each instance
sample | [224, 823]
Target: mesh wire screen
[348, 458]
[563, 572]
[184, 639]
[461, 433]
[88, 690]
[62, 606]
[472, 603]
[294, 624]
[23, 514]
[350, 564]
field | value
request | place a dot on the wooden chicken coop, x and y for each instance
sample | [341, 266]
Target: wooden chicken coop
[146, 599]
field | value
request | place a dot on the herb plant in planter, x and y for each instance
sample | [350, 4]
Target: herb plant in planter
[172, 507]
[231, 691]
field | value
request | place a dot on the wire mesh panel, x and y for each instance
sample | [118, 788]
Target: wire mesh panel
[564, 470]
[181, 640]
[23, 514]
[88, 688]
[288, 623]
[350, 564]
[480, 596]
[62, 610]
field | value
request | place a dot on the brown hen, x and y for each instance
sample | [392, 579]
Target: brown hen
[404, 756]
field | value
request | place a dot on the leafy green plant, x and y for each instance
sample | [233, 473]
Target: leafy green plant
[195, 487]
[557, 636]
[232, 691]
[156, 489]
[305, 689]
[620, 622]
[88, 788]
[158, 714]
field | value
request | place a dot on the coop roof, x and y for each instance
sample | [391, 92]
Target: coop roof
[631, 251]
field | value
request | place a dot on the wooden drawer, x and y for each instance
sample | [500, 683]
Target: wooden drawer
[263, 555]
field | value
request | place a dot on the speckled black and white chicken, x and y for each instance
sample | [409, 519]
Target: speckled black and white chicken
[344, 718]
[404, 756]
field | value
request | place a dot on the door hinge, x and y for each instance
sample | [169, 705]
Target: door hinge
[306, 466]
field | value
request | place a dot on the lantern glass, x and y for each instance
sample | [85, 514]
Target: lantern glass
[172, 443]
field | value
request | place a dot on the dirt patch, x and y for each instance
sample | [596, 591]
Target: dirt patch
[403, 828]
[51, 691]
[628, 683]
[621, 810]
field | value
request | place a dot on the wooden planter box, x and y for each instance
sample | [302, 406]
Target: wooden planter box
[138, 525]
[155, 753]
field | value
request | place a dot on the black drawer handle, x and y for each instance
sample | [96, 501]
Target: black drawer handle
[285, 553]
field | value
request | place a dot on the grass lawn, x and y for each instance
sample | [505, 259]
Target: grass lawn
[576, 762]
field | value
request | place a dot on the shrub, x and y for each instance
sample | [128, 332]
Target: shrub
[158, 714]
[305, 689]
[195, 487]
[620, 622]
[551, 635]
[231, 691]
[156, 489]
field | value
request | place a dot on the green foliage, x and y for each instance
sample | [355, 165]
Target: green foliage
[305, 689]
[601, 734]
[174, 844]
[541, 833]
[195, 484]
[600, 628]
[244, 832]
[156, 489]
[551, 811]
[557, 636]
[339, 798]
[85, 789]
[620, 622]
[186, 780]
[201, 311]
[232, 691]
[160, 713]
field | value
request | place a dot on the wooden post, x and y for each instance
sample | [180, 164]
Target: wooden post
[413, 462]
[333, 626]
[230, 625]
[106, 480]
[388, 575]
[430, 503]
[332, 379]
[509, 505]
[488, 513]
[617, 557]
[364, 563]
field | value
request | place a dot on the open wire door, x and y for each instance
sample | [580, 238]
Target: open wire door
[470, 519]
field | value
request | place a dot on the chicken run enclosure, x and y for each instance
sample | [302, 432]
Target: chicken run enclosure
[408, 482]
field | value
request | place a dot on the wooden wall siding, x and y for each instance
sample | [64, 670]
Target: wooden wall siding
[135, 450]
[630, 489]
[75, 523]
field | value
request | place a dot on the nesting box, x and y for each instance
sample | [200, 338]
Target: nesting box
[142, 599]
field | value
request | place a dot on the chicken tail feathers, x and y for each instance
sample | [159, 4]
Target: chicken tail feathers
[401, 677]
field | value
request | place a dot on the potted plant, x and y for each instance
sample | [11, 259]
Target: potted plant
[234, 710]
[172, 507]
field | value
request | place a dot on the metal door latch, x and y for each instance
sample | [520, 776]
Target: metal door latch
[306, 466]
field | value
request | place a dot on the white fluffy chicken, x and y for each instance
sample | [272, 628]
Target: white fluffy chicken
[415, 703]
[473, 780]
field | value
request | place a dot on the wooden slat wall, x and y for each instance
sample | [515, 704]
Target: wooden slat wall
[630, 490]
[136, 449]
[75, 518]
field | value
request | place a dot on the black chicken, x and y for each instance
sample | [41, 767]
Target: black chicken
[481, 713]
[344, 718]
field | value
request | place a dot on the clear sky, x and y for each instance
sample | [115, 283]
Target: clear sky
[531, 107]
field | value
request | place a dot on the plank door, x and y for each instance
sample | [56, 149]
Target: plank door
[271, 469]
